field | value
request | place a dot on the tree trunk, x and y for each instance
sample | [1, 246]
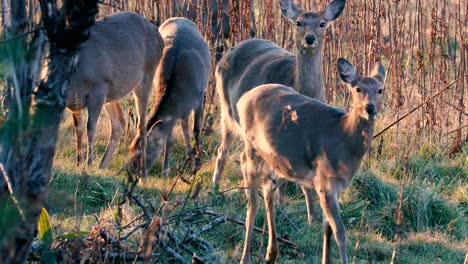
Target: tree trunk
[29, 133]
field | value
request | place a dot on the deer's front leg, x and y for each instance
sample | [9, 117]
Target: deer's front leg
[332, 218]
[268, 195]
[251, 182]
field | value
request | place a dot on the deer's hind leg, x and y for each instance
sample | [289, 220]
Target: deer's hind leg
[197, 129]
[185, 124]
[141, 95]
[226, 141]
[309, 199]
[79, 130]
[95, 103]
[117, 126]
[166, 168]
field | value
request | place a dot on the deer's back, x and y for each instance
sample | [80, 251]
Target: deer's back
[121, 49]
[294, 133]
[252, 63]
[182, 74]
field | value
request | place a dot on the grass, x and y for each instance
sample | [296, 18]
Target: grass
[434, 205]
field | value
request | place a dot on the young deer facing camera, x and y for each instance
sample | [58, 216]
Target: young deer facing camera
[291, 136]
[257, 61]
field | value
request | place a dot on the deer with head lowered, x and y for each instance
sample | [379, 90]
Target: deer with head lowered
[256, 61]
[181, 79]
[120, 56]
[291, 136]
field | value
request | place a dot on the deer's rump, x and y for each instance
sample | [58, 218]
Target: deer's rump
[252, 63]
[120, 50]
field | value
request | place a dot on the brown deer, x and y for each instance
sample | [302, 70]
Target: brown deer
[120, 57]
[181, 79]
[291, 136]
[257, 61]
[218, 12]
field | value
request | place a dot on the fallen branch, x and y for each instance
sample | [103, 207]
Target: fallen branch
[127, 256]
[419, 106]
[256, 229]
[131, 232]
[177, 241]
[172, 252]
[108, 238]
[210, 225]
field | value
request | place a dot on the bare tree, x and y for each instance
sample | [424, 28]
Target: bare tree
[29, 130]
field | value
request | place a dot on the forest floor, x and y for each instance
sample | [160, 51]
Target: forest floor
[434, 205]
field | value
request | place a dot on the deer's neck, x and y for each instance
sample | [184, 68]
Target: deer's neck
[309, 76]
[359, 133]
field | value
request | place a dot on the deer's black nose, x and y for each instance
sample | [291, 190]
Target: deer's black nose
[310, 39]
[370, 108]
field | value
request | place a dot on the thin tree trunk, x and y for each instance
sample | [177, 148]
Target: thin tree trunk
[28, 141]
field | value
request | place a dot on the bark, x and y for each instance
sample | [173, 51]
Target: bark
[29, 134]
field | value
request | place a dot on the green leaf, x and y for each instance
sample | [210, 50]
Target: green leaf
[72, 235]
[45, 231]
[48, 257]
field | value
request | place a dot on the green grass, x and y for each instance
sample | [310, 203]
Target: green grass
[435, 213]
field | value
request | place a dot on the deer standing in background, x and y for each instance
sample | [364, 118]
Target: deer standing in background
[181, 79]
[292, 136]
[257, 61]
[120, 56]
[215, 13]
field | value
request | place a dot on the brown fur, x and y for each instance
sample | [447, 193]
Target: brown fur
[321, 147]
[181, 79]
[120, 57]
[256, 61]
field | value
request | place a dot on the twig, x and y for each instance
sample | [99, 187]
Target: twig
[455, 130]
[172, 252]
[20, 35]
[419, 106]
[10, 190]
[136, 228]
[210, 225]
[256, 229]
[108, 238]
[143, 207]
[127, 256]
[207, 247]
[177, 241]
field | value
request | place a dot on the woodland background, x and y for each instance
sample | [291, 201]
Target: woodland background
[407, 204]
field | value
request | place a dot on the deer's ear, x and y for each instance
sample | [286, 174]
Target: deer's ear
[347, 71]
[378, 72]
[289, 9]
[334, 9]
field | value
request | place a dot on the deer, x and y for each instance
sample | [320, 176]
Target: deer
[256, 61]
[290, 136]
[215, 12]
[120, 57]
[181, 79]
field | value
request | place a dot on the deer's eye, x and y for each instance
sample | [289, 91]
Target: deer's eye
[380, 91]
[322, 24]
[298, 23]
[358, 90]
